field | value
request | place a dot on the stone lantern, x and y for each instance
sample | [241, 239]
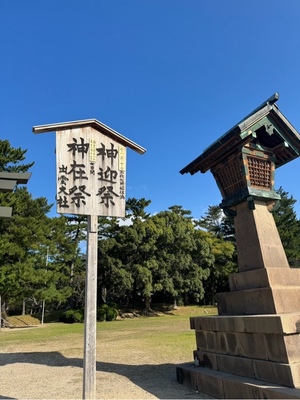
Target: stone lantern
[252, 349]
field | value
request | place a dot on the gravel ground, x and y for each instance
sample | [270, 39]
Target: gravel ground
[45, 372]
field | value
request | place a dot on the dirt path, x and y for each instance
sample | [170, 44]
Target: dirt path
[52, 372]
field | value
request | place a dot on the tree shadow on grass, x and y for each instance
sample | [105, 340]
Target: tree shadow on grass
[159, 380]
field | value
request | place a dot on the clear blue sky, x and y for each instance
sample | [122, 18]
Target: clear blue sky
[171, 75]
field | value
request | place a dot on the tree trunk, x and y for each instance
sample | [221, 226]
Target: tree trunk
[71, 272]
[24, 308]
[3, 309]
[104, 295]
[147, 307]
[186, 299]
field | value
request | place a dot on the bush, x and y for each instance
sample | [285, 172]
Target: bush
[101, 314]
[104, 313]
[107, 312]
[111, 314]
[72, 316]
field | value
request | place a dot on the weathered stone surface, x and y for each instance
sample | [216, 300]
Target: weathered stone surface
[264, 370]
[250, 345]
[272, 277]
[274, 323]
[205, 381]
[258, 242]
[270, 337]
[279, 373]
[256, 337]
[260, 301]
[228, 386]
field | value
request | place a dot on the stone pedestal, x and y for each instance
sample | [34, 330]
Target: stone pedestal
[252, 349]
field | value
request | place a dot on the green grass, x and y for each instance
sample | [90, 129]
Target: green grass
[167, 336]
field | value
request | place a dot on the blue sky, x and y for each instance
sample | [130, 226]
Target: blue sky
[170, 75]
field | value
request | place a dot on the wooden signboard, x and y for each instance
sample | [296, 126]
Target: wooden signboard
[91, 173]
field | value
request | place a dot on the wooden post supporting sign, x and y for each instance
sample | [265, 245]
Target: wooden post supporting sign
[91, 180]
[90, 316]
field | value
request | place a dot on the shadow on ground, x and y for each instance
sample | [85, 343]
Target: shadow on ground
[154, 379]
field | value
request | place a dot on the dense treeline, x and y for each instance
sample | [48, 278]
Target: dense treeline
[166, 258]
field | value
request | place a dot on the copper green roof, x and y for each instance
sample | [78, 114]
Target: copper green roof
[266, 126]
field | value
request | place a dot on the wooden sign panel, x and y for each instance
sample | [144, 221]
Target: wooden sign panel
[90, 173]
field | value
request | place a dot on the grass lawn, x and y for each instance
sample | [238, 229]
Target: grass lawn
[165, 337]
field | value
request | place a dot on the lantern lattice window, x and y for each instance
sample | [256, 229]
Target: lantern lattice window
[230, 176]
[259, 172]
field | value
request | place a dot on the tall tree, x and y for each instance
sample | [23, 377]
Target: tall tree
[222, 265]
[10, 158]
[137, 252]
[212, 221]
[27, 238]
[218, 223]
[288, 226]
[20, 238]
[135, 208]
[183, 257]
[118, 258]
[162, 255]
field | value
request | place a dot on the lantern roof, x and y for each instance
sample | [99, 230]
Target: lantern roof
[265, 127]
[94, 123]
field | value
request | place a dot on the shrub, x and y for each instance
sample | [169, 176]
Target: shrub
[104, 313]
[72, 316]
[111, 314]
[107, 312]
[101, 314]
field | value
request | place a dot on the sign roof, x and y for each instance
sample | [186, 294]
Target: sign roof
[94, 123]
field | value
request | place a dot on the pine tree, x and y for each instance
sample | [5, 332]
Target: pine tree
[10, 158]
[288, 227]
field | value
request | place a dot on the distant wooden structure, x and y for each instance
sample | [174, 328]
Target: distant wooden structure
[8, 182]
[91, 180]
[251, 350]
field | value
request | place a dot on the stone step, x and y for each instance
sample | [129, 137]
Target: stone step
[223, 385]
[269, 371]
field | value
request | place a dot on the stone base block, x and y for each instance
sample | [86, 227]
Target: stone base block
[273, 324]
[261, 278]
[273, 338]
[262, 347]
[228, 386]
[260, 301]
